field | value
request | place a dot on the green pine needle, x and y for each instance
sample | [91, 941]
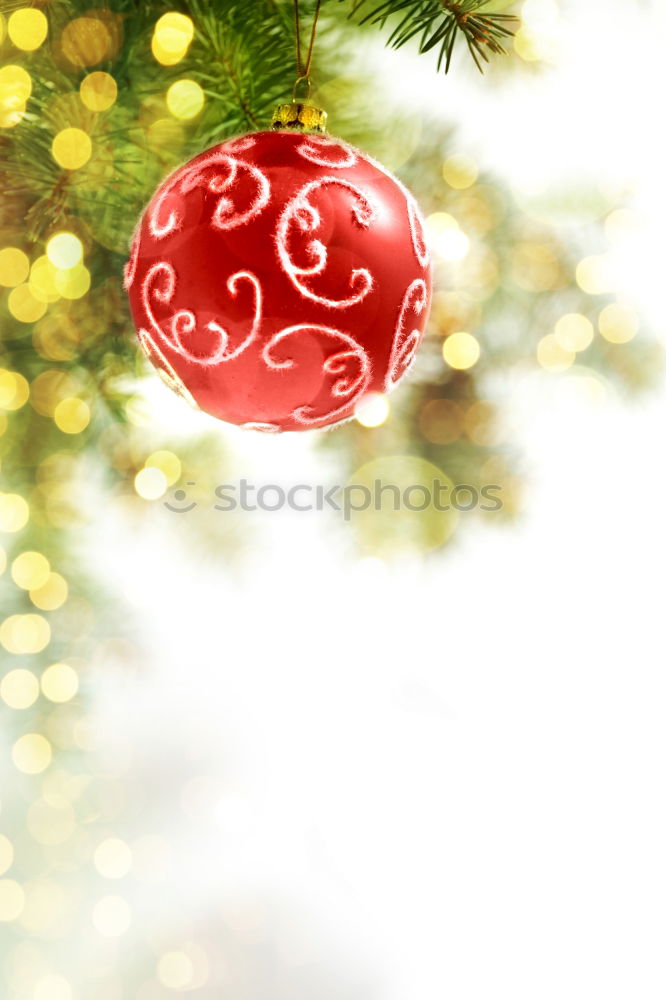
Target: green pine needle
[439, 23]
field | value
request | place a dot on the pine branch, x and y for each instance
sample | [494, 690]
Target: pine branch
[439, 23]
[243, 58]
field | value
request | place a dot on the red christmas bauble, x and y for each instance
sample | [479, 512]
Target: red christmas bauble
[278, 278]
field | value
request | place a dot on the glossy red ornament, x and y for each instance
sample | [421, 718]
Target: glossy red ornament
[277, 279]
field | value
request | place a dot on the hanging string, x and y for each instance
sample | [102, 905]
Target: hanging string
[303, 68]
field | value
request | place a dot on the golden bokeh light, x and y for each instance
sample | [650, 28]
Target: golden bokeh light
[61, 508]
[11, 113]
[25, 633]
[27, 28]
[593, 274]
[165, 132]
[14, 512]
[618, 324]
[460, 171]
[19, 688]
[574, 332]
[32, 753]
[64, 251]
[185, 99]
[6, 854]
[24, 306]
[71, 148]
[535, 267]
[60, 682]
[529, 45]
[175, 970]
[14, 267]
[441, 421]
[172, 37]
[175, 31]
[112, 916]
[30, 569]
[150, 483]
[74, 282]
[72, 415]
[48, 388]
[98, 91]
[453, 311]
[461, 350]
[552, 356]
[440, 222]
[113, 858]
[14, 390]
[51, 595]
[86, 41]
[593, 388]
[166, 462]
[372, 411]
[481, 424]
[57, 337]
[42, 280]
[15, 82]
[12, 899]
[15, 89]
[480, 212]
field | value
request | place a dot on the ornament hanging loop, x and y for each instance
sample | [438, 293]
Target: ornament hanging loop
[301, 89]
[303, 68]
[300, 115]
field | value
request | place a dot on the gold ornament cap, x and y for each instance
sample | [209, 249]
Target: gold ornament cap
[299, 115]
